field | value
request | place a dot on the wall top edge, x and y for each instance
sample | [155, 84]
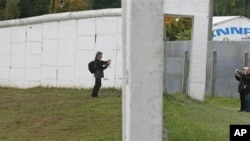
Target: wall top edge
[115, 12]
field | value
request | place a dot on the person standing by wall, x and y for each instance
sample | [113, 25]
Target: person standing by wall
[100, 66]
[243, 76]
[239, 76]
[246, 79]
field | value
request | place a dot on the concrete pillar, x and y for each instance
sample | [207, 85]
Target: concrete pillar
[143, 70]
[202, 32]
[201, 12]
[198, 58]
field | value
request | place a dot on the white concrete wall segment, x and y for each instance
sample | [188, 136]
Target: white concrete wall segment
[33, 55]
[125, 114]
[63, 16]
[17, 57]
[186, 7]
[57, 48]
[144, 66]
[86, 26]
[97, 13]
[200, 10]
[219, 77]
[5, 53]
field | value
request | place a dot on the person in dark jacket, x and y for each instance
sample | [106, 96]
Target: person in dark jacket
[241, 88]
[99, 74]
[243, 76]
[246, 79]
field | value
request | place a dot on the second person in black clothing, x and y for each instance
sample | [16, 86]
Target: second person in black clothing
[239, 76]
[243, 76]
[99, 74]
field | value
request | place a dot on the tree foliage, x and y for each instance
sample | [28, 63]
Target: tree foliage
[2, 6]
[11, 10]
[175, 30]
[182, 29]
[232, 7]
[102, 4]
[72, 5]
[29, 8]
[178, 28]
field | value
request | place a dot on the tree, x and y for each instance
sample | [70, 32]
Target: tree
[2, 6]
[11, 10]
[182, 29]
[29, 8]
[40, 7]
[178, 28]
[25, 8]
[103, 4]
[232, 7]
[72, 5]
[184, 35]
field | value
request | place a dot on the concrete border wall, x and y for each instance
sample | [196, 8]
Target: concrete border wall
[62, 17]
[54, 50]
[222, 59]
[201, 13]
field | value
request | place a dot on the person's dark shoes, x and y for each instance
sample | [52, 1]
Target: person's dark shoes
[95, 96]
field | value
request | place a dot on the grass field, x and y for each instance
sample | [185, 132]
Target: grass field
[189, 120]
[49, 114]
[42, 114]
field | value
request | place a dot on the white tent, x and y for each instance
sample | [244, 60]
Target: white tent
[231, 28]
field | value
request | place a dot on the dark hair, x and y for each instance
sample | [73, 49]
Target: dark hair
[98, 54]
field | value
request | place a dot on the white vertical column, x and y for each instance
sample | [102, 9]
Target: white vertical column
[124, 71]
[198, 58]
[201, 11]
[143, 70]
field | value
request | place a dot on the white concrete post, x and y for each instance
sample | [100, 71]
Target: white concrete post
[198, 58]
[201, 11]
[143, 75]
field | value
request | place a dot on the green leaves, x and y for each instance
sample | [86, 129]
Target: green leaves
[178, 28]
[102, 4]
[73, 5]
[13, 9]
[181, 29]
[29, 8]
[231, 8]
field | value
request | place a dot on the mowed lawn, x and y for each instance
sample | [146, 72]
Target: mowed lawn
[57, 114]
[190, 120]
[49, 114]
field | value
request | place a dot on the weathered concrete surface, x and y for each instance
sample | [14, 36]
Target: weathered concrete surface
[143, 84]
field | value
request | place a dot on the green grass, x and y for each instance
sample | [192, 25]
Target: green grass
[191, 120]
[43, 114]
[50, 114]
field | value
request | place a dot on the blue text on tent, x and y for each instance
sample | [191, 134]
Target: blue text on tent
[231, 30]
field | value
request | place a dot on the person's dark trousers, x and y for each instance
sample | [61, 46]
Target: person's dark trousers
[247, 101]
[98, 84]
[242, 101]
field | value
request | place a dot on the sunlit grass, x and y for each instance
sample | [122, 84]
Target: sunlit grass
[191, 120]
[57, 114]
[43, 114]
